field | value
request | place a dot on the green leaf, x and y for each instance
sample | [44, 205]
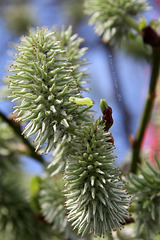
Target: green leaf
[142, 23]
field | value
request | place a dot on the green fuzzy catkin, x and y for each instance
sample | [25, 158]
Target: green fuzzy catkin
[70, 43]
[52, 204]
[95, 195]
[42, 83]
[145, 190]
[109, 16]
[17, 220]
[59, 156]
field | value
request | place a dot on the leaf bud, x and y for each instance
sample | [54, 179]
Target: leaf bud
[150, 37]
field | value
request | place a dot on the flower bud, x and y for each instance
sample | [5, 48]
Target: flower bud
[107, 118]
[150, 37]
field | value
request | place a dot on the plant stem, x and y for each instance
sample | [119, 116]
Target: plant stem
[16, 128]
[147, 110]
[132, 23]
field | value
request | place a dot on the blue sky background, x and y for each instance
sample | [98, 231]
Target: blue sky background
[131, 75]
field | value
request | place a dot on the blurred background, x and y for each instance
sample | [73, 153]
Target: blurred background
[114, 74]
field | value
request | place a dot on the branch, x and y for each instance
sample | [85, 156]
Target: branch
[132, 23]
[147, 110]
[118, 90]
[31, 151]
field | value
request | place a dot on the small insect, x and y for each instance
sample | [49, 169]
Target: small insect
[82, 101]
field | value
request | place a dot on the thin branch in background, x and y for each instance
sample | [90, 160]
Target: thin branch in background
[119, 93]
[16, 128]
